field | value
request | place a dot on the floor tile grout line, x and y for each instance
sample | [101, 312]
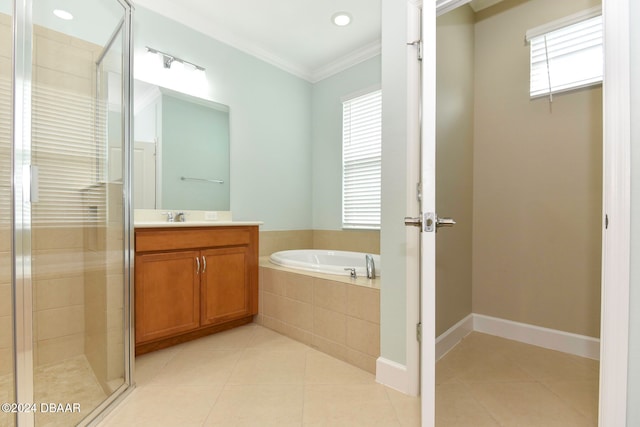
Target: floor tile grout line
[491, 414]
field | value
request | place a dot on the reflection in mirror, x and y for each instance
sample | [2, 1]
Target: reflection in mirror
[181, 153]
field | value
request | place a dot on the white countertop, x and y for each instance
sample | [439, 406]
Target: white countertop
[153, 218]
[166, 224]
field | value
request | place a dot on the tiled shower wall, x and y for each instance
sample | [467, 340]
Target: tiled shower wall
[5, 197]
[64, 324]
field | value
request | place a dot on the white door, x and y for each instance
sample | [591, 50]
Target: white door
[428, 206]
[429, 220]
[144, 175]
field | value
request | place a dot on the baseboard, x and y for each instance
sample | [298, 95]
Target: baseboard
[393, 375]
[447, 340]
[553, 339]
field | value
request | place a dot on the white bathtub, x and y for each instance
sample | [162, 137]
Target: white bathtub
[323, 261]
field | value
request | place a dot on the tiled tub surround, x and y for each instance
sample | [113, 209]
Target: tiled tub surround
[337, 315]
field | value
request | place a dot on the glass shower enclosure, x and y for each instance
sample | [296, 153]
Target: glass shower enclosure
[65, 214]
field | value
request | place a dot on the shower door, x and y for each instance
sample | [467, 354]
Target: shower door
[71, 215]
[6, 295]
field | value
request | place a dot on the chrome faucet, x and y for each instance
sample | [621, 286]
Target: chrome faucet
[169, 215]
[180, 217]
[371, 267]
[352, 272]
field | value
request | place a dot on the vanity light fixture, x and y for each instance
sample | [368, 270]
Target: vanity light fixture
[63, 14]
[168, 60]
[341, 19]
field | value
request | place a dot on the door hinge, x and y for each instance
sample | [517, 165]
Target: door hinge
[606, 221]
[419, 332]
[417, 44]
[419, 191]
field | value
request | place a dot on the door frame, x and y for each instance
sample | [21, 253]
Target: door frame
[614, 341]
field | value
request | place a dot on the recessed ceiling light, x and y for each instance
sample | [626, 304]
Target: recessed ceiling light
[341, 19]
[63, 14]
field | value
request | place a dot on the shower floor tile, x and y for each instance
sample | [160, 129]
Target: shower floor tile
[276, 381]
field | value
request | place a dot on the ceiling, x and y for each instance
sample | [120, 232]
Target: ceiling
[295, 35]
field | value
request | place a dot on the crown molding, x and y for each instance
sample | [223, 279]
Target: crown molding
[357, 56]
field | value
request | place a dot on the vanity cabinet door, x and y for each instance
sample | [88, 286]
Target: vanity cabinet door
[225, 285]
[167, 294]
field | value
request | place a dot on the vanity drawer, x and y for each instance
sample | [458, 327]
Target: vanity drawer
[164, 239]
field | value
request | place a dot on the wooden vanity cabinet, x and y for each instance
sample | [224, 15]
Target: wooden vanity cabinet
[193, 281]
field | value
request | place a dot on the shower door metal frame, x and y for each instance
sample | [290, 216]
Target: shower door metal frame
[21, 218]
[21, 227]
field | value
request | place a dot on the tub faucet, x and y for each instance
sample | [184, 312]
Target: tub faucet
[352, 272]
[371, 267]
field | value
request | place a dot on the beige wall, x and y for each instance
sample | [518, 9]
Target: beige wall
[537, 181]
[454, 165]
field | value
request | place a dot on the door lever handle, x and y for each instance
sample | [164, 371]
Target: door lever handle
[445, 222]
[414, 221]
[427, 221]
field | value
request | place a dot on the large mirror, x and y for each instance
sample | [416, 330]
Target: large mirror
[181, 152]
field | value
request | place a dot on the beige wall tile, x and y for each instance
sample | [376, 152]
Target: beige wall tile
[272, 281]
[274, 324]
[296, 313]
[5, 332]
[274, 241]
[303, 335]
[330, 325]
[47, 79]
[363, 303]
[51, 264]
[367, 241]
[363, 336]
[271, 305]
[362, 361]
[298, 287]
[57, 237]
[330, 295]
[5, 236]
[6, 362]
[6, 37]
[5, 300]
[60, 292]
[60, 56]
[5, 267]
[330, 347]
[58, 349]
[60, 322]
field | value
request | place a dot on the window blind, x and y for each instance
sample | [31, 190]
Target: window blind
[67, 147]
[362, 161]
[5, 151]
[567, 58]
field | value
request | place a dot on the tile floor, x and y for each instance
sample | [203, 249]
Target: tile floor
[490, 381]
[252, 376]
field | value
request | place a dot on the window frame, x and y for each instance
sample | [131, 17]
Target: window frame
[358, 223]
